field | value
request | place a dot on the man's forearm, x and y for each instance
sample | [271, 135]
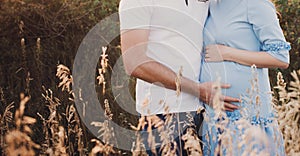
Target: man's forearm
[154, 72]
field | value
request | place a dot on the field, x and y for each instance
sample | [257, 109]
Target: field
[42, 114]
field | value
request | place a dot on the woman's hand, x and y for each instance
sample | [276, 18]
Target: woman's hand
[216, 53]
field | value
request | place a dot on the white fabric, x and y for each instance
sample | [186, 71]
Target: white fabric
[175, 40]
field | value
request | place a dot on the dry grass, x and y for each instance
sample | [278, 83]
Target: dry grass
[17, 140]
[288, 107]
[54, 133]
[106, 134]
[68, 138]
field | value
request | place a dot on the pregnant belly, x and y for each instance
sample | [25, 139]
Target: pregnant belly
[238, 76]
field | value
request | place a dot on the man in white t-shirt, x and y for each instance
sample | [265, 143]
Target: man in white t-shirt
[161, 44]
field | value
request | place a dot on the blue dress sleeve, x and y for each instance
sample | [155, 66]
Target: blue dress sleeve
[263, 17]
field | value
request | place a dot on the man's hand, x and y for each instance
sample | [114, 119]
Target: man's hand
[207, 93]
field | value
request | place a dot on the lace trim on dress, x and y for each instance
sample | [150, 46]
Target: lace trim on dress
[276, 47]
[254, 120]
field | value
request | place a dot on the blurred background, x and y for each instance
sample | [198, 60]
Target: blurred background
[38, 35]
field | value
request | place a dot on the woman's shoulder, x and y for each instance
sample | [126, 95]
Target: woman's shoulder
[260, 3]
[260, 9]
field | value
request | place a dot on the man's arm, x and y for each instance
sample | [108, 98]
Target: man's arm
[138, 64]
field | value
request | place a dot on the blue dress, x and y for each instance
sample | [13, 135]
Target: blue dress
[249, 25]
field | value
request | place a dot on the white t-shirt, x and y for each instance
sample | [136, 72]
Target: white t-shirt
[175, 40]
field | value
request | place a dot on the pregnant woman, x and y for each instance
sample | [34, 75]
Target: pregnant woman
[239, 34]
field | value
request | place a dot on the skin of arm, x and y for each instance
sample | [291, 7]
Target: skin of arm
[139, 65]
[217, 53]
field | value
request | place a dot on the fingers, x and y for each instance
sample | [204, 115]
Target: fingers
[206, 55]
[230, 99]
[225, 86]
[208, 60]
[230, 106]
[207, 47]
[228, 109]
